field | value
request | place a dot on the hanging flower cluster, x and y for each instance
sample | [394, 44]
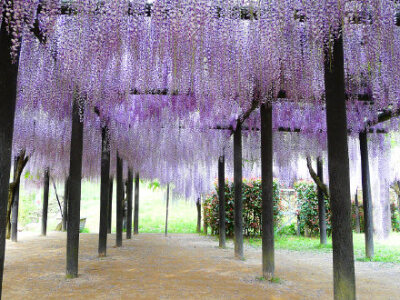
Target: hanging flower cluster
[169, 78]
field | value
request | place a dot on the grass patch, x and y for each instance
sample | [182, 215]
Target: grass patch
[260, 278]
[275, 280]
[272, 280]
[385, 251]
[85, 230]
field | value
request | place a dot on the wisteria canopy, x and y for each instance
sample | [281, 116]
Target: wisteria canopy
[171, 79]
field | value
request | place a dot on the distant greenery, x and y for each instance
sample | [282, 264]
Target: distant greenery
[85, 230]
[385, 251]
[182, 214]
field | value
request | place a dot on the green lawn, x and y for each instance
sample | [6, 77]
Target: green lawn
[182, 214]
[385, 251]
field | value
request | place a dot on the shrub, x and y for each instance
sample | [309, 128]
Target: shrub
[251, 207]
[395, 218]
[308, 208]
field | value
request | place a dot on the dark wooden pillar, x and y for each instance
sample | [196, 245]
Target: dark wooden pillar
[198, 206]
[8, 93]
[321, 204]
[104, 190]
[74, 190]
[357, 212]
[120, 200]
[221, 201]
[166, 212]
[268, 252]
[237, 174]
[136, 213]
[46, 183]
[129, 192]
[110, 205]
[15, 205]
[367, 199]
[65, 205]
[339, 179]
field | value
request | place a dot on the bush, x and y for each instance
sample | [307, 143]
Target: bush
[251, 208]
[395, 218]
[308, 208]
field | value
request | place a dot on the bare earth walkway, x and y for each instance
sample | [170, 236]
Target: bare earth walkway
[151, 266]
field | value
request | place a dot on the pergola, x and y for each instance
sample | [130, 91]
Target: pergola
[210, 69]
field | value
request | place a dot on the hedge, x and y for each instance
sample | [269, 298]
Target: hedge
[251, 208]
[307, 212]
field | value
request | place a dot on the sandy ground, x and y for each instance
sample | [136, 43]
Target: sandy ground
[151, 266]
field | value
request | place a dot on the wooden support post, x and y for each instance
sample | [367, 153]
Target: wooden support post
[198, 206]
[15, 205]
[136, 213]
[357, 212]
[8, 94]
[321, 204]
[120, 200]
[104, 190]
[166, 211]
[110, 205]
[268, 251]
[221, 201]
[237, 174]
[65, 205]
[129, 192]
[367, 199]
[339, 179]
[46, 183]
[74, 190]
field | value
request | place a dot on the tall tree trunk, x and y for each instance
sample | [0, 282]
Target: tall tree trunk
[367, 200]
[136, 216]
[268, 251]
[321, 204]
[110, 205]
[8, 94]
[339, 178]
[12, 190]
[198, 206]
[46, 186]
[74, 199]
[166, 212]
[120, 200]
[104, 191]
[237, 174]
[129, 192]
[65, 205]
[221, 201]
[358, 230]
[15, 202]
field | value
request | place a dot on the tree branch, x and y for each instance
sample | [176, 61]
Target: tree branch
[316, 179]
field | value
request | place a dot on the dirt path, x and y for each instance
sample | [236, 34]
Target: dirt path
[178, 267]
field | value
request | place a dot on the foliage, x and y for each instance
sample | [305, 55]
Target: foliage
[307, 198]
[251, 207]
[395, 212]
[153, 185]
[288, 230]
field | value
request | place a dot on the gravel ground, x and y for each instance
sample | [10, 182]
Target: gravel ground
[185, 266]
